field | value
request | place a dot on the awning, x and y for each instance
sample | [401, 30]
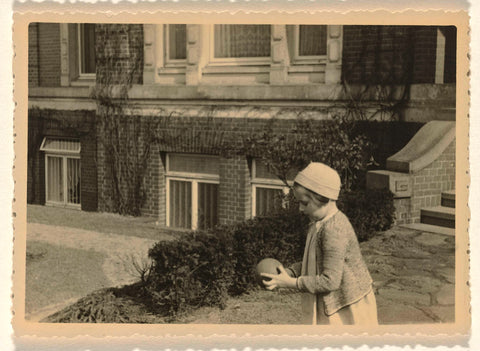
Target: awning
[58, 145]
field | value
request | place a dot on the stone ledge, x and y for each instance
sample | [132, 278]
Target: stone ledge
[400, 184]
[424, 148]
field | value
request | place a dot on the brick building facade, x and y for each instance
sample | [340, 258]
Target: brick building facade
[202, 91]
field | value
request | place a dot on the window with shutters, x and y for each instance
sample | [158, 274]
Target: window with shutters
[62, 172]
[192, 191]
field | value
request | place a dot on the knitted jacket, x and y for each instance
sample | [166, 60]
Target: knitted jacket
[342, 276]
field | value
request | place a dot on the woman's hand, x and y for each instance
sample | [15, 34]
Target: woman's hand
[282, 280]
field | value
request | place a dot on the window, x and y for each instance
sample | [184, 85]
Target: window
[86, 49]
[310, 43]
[268, 192]
[192, 191]
[176, 44]
[62, 171]
[241, 43]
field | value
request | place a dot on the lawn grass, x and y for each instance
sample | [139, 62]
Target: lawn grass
[142, 227]
[55, 274]
[257, 306]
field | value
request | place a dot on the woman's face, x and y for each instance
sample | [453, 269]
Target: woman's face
[313, 208]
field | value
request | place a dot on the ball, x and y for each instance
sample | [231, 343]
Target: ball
[267, 265]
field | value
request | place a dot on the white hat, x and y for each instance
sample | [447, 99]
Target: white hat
[320, 179]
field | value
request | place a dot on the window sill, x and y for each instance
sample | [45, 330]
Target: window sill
[214, 69]
[83, 81]
[171, 70]
[307, 68]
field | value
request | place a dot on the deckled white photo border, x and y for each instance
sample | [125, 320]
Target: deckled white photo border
[293, 341]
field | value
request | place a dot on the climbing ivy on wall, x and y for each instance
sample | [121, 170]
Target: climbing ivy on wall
[376, 79]
[124, 137]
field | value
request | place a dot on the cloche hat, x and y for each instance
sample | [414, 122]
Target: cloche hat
[320, 179]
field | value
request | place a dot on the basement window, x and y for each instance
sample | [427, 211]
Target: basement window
[192, 191]
[62, 171]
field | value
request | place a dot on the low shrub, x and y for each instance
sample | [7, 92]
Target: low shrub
[369, 211]
[281, 236]
[193, 271]
[202, 268]
[127, 304]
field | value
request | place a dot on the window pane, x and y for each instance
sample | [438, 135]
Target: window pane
[235, 40]
[193, 164]
[73, 180]
[87, 48]
[180, 204]
[177, 41]
[267, 200]
[207, 205]
[312, 40]
[55, 179]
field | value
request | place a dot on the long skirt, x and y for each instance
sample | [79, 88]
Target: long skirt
[362, 312]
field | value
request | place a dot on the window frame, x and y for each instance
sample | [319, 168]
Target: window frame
[64, 154]
[194, 179]
[168, 62]
[81, 75]
[265, 183]
[235, 61]
[310, 59]
[64, 158]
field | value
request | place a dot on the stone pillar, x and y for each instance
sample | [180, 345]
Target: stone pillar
[193, 71]
[64, 56]
[280, 58]
[149, 54]
[333, 69]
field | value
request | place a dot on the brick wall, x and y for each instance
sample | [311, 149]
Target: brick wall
[49, 54]
[389, 54]
[428, 184]
[450, 33]
[33, 55]
[212, 136]
[425, 48]
[56, 123]
[235, 190]
[88, 172]
[119, 49]
[155, 185]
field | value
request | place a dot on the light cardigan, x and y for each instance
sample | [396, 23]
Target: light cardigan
[342, 276]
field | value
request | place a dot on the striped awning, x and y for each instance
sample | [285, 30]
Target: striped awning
[69, 146]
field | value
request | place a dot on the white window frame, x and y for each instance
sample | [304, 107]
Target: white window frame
[310, 59]
[235, 61]
[168, 61]
[81, 75]
[265, 183]
[194, 179]
[64, 155]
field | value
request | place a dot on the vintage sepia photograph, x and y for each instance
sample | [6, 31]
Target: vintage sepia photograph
[244, 174]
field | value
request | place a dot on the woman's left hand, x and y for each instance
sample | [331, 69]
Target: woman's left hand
[282, 280]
